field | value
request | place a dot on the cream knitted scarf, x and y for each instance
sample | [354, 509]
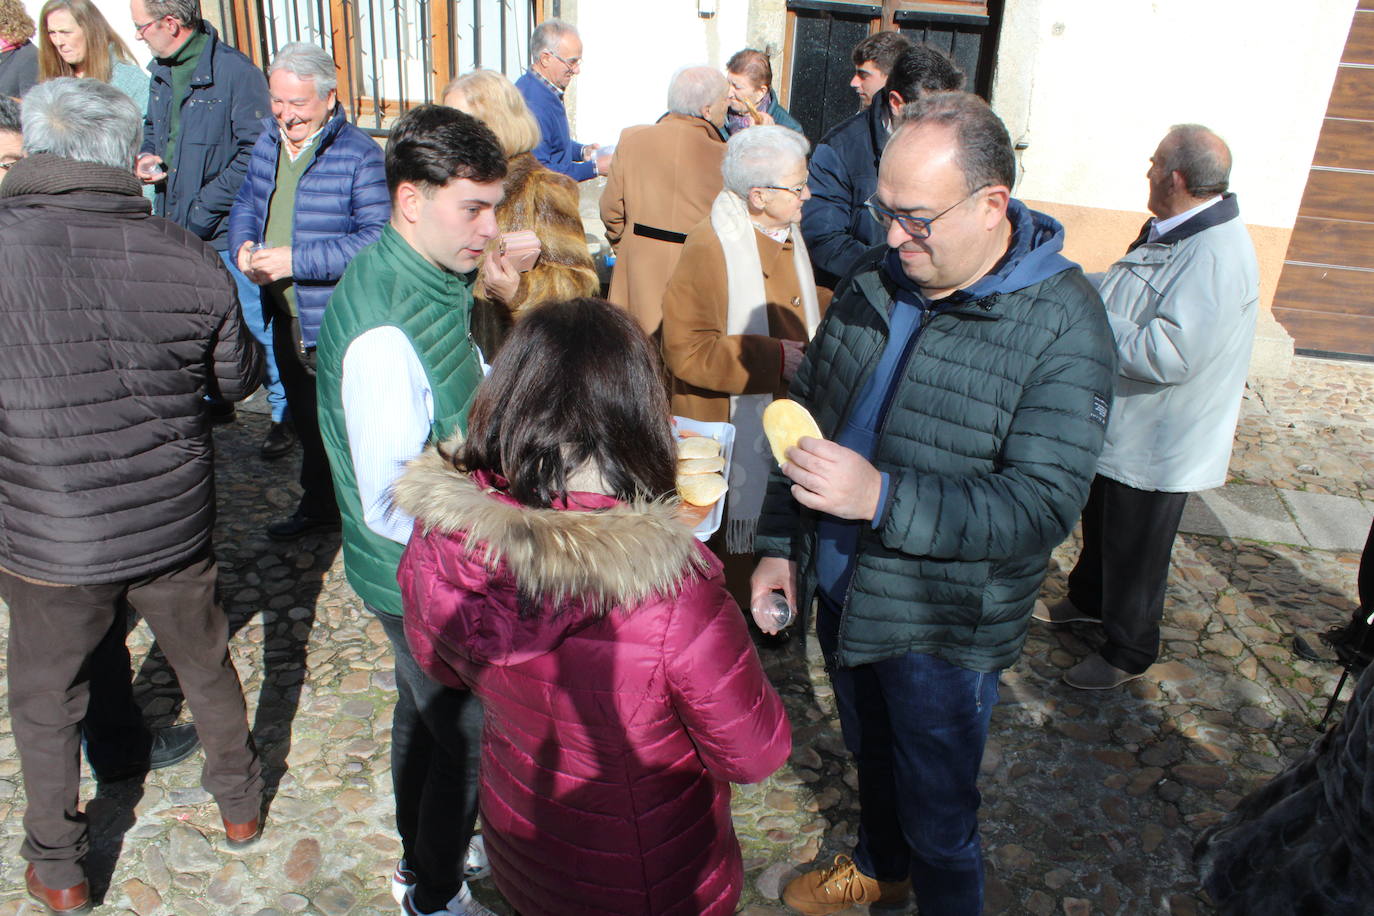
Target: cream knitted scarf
[746, 312]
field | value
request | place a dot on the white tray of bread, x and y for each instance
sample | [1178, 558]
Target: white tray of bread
[703, 469]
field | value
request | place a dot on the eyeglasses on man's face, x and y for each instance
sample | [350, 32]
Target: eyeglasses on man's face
[795, 189]
[572, 63]
[140, 29]
[918, 227]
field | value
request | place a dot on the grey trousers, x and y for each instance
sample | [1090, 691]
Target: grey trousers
[53, 632]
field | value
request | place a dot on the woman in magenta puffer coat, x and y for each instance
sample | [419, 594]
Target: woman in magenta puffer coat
[549, 571]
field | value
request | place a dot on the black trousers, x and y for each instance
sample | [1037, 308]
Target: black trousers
[114, 732]
[54, 630]
[1122, 573]
[1366, 580]
[436, 746]
[297, 371]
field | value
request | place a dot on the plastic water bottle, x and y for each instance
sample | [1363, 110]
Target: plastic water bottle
[772, 613]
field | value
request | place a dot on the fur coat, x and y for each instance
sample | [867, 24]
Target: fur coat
[1302, 843]
[621, 692]
[546, 202]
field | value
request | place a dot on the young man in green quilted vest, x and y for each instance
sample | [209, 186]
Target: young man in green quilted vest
[397, 368]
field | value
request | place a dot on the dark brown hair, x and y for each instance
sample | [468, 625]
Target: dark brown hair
[753, 64]
[576, 383]
[431, 145]
[883, 48]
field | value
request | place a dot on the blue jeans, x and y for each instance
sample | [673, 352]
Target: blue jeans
[250, 300]
[916, 726]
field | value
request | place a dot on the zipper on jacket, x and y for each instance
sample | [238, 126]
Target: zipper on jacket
[927, 315]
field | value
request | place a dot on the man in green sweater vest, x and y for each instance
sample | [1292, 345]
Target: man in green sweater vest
[396, 369]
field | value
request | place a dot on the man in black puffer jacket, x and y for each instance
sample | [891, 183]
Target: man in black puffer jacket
[962, 378]
[116, 324]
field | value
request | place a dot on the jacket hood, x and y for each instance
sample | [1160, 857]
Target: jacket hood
[1033, 256]
[526, 578]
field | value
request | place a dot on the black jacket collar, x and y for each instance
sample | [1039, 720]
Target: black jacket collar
[1223, 211]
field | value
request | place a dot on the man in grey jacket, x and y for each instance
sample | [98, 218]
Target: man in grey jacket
[106, 465]
[1182, 305]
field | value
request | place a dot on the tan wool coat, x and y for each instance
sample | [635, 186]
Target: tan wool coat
[707, 363]
[663, 176]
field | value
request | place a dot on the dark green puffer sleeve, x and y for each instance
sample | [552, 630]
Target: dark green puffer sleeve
[1032, 499]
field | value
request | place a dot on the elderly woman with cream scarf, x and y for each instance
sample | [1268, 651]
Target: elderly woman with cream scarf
[737, 314]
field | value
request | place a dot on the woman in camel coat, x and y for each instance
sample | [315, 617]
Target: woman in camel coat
[739, 310]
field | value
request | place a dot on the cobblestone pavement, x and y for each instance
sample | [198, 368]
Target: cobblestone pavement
[1091, 801]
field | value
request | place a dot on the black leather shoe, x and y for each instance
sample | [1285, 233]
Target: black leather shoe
[220, 412]
[298, 526]
[280, 439]
[170, 745]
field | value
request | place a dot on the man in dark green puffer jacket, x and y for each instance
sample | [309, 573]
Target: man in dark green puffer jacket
[962, 378]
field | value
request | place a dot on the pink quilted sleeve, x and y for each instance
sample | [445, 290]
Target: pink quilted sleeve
[427, 601]
[733, 714]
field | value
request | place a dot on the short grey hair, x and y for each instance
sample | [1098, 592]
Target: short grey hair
[308, 62]
[10, 116]
[1200, 156]
[758, 157]
[546, 36]
[82, 119]
[694, 88]
[187, 12]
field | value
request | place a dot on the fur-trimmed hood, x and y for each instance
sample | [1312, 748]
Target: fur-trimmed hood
[526, 577]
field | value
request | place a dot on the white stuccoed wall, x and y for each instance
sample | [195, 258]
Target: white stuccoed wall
[632, 49]
[1093, 86]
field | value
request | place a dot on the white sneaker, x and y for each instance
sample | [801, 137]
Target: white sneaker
[402, 880]
[462, 904]
[475, 866]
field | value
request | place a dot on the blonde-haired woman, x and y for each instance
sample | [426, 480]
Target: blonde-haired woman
[18, 56]
[536, 199]
[76, 40]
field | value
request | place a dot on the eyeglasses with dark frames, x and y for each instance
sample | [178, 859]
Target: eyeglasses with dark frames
[918, 227]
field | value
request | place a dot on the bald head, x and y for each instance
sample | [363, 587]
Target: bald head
[1191, 165]
[1200, 157]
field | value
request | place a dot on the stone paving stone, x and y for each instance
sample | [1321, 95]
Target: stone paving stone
[1328, 521]
[1089, 800]
[1241, 510]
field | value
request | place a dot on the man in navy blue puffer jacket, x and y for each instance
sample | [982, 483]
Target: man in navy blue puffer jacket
[844, 167]
[315, 195]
